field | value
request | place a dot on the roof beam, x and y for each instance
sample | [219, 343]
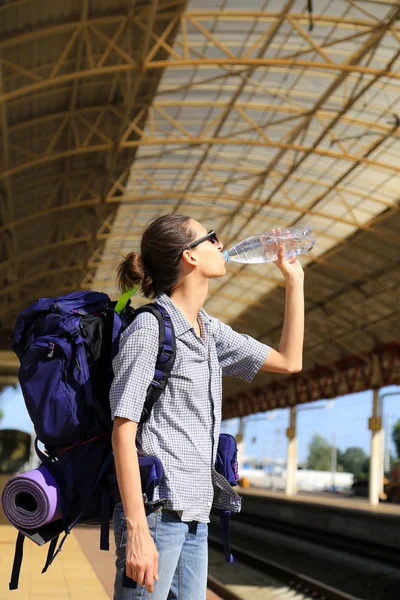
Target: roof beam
[197, 194]
[118, 110]
[226, 15]
[108, 144]
[148, 141]
[6, 199]
[140, 199]
[314, 66]
[354, 59]
[134, 86]
[228, 108]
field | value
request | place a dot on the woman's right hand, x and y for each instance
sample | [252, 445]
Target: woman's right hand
[141, 557]
[289, 267]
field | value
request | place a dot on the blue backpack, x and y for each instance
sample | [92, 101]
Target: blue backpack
[66, 346]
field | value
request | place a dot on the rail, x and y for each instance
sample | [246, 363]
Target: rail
[300, 583]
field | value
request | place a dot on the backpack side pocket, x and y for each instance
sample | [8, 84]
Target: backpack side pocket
[51, 403]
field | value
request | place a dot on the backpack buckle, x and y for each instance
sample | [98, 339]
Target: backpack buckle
[74, 332]
[155, 383]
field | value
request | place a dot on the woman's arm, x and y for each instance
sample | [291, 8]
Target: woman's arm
[288, 357]
[141, 553]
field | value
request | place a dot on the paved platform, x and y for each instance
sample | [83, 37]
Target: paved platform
[81, 571]
[71, 577]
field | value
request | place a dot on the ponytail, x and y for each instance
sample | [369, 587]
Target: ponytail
[156, 268]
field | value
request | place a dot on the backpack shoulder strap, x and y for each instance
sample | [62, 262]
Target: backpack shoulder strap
[19, 549]
[165, 358]
[72, 326]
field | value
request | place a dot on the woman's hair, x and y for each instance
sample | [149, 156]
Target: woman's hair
[156, 268]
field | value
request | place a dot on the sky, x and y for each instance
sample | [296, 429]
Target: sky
[264, 433]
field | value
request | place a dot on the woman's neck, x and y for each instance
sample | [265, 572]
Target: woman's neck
[190, 299]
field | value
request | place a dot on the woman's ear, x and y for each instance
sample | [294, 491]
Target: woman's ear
[189, 258]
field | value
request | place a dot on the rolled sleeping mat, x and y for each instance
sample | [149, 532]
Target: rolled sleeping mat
[32, 500]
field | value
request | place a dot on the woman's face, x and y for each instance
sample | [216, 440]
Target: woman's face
[211, 260]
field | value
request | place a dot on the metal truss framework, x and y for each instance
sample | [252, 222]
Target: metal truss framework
[216, 110]
[91, 33]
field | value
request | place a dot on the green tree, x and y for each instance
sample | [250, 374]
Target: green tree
[319, 454]
[396, 436]
[354, 460]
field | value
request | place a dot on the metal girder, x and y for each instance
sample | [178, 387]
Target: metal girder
[69, 240]
[42, 273]
[63, 138]
[209, 15]
[133, 87]
[99, 53]
[369, 44]
[76, 201]
[118, 110]
[78, 150]
[139, 199]
[353, 59]
[283, 64]
[246, 174]
[266, 40]
[92, 27]
[260, 143]
[6, 195]
[245, 171]
[68, 122]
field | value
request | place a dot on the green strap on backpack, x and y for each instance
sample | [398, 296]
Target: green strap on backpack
[123, 299]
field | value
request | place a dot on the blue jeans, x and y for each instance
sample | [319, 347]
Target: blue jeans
[182, 562]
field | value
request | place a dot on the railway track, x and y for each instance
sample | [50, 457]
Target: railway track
[280, 582]
[310, 563]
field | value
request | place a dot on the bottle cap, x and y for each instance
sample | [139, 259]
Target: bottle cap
[226, 255]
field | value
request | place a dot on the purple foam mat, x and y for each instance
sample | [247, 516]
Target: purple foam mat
[32, 499]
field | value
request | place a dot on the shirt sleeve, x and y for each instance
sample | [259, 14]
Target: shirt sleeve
[133, 368]
[239, 354]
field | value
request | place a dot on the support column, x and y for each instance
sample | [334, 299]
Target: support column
[382, 495]
[375, 471]
[333, 461]
[239, 437]
[291, 462]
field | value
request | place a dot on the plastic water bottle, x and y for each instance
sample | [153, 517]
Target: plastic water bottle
[264, 247]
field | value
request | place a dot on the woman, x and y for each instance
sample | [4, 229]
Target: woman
[165, 551]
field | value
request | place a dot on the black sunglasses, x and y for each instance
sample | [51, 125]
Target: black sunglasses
[211, 237]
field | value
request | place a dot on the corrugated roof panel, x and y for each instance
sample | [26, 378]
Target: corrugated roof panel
[257, 122]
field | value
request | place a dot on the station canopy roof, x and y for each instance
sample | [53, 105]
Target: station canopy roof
[246, 116]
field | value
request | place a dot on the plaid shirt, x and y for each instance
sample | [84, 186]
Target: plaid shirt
[184, 425]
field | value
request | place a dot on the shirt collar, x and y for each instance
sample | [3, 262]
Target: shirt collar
[180, 322]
